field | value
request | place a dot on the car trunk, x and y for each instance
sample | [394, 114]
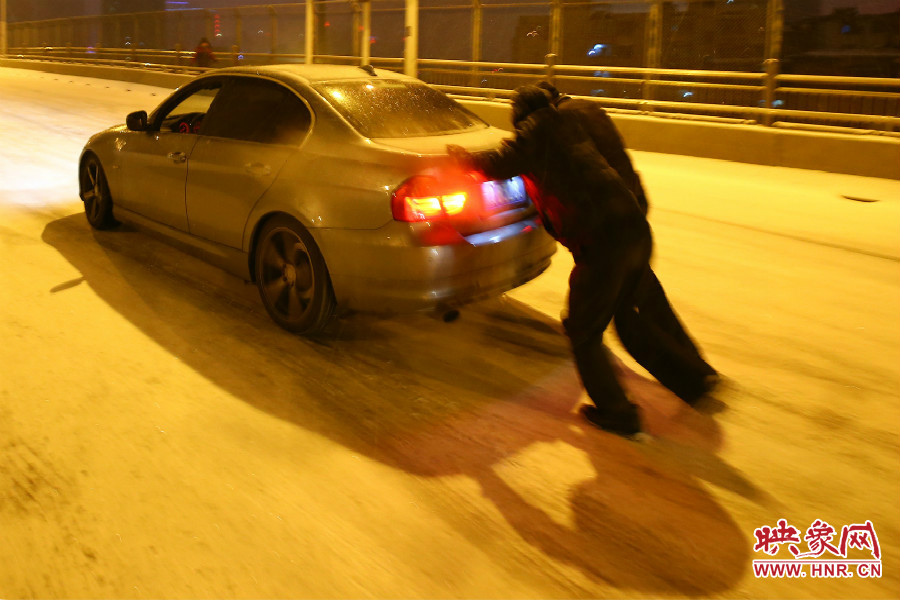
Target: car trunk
[473, 141]
[491, 204]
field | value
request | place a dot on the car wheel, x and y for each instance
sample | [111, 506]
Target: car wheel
[292, 277]
[95, 194]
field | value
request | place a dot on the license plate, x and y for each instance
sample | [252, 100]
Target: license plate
[504, 195]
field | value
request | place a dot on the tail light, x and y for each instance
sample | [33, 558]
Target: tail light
[450, 205]
[426, 198]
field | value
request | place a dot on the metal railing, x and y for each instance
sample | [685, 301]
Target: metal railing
[341, 32]
[855, 104]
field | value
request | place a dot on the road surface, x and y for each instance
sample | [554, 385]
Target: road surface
[161, 437]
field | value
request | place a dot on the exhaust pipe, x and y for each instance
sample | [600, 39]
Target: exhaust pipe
[444, 313]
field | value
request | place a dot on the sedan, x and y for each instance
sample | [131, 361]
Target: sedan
[330, 187]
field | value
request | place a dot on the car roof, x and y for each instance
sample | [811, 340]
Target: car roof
[309, 74]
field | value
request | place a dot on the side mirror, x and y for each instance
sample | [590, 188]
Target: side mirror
[137, 121]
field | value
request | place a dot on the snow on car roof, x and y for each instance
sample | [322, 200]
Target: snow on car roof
[315, 73]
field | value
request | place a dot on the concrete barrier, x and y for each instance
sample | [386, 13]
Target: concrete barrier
[849, 153]
[134, 74]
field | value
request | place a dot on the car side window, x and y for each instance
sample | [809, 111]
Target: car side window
[187, 114]
[258, 111]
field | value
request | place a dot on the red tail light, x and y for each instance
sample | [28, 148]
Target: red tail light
[425, 198]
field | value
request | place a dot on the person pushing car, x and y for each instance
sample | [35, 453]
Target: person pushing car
[647, 326]
[587, 207]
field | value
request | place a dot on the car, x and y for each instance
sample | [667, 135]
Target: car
[329, 186]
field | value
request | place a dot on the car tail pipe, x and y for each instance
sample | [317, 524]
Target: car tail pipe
[447, 314]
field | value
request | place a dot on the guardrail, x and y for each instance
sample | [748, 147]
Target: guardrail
[847, 104]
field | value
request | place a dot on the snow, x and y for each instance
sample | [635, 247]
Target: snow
[162, 437]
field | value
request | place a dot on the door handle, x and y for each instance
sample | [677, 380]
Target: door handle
[258, 169]
[177, 157]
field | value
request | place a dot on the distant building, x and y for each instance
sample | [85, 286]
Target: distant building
[603, 37]
[844, 43]
[796, 10]
[728, 36]
[530, 42]
[31, 10]
[209, 4]
[119, 7]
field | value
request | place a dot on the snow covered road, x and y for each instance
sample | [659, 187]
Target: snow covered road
[161, 437]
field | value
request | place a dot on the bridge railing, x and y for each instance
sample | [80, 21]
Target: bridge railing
[852, 104]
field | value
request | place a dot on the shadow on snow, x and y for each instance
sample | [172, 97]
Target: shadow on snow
[435, 400]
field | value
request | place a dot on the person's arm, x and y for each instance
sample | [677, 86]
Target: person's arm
[507, 161]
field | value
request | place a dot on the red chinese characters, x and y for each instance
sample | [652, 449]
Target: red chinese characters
[769, 539]
[860, 536]
[819, 539]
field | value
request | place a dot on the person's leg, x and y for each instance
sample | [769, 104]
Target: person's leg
[612, 411]
[594, 288]
[651, 332]
[651, 301]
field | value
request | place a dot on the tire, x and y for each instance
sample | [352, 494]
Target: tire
[292, 277]
[94, 192]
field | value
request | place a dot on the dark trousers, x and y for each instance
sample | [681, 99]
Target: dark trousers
[654, 336]
[603, 283]
[613, 280]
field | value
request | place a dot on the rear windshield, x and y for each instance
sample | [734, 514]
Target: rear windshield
[380, 108]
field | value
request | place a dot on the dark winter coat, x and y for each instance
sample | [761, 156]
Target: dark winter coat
[582, 200]
[606, 137]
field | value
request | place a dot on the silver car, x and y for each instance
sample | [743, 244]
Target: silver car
[329, 186]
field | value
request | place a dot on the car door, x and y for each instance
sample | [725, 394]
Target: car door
[251, 130]
[154, 163]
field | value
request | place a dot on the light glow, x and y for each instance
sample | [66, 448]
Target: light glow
[454, 203]
[597, 50]
[424, 208]
[422, 198]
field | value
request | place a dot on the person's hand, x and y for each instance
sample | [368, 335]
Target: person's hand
[459, 154]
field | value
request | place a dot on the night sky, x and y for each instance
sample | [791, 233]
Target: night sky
[47, 9]
[864, 6]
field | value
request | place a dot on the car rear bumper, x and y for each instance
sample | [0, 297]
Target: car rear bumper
[382, 271]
